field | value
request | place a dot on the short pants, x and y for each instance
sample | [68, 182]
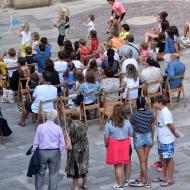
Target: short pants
[121, 17]
[60, 40]
[142, 139]
[166, 150]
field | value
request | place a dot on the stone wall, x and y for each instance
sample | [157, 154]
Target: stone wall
[21, 4]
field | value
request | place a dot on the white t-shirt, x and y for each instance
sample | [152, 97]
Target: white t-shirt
[127, 62]
[11, 63]
[151, 74]
[91, 26]
[26, 37]
[78, 64]
[165, 136]
[44, 92]
[116, 55]
[60, 67]
[130, 83]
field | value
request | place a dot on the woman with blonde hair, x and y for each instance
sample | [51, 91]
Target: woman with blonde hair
[117, 141]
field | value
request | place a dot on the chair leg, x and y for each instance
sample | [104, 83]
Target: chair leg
[85, 118]
[184, 101]
[101, 120]
[131, 109]
[65, 120]
[170, 97]
[178, 97]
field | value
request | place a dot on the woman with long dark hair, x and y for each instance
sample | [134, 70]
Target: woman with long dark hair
[117, 141]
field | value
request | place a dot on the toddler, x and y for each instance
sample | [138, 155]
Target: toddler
[35, 41]
[144, 52]
[90, 25]
[124, 31]
[25, 35]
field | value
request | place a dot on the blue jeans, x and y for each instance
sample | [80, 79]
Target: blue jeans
[142, 139]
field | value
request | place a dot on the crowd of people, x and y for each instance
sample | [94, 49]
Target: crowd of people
[89, 66]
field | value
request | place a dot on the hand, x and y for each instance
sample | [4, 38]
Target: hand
[177, 135]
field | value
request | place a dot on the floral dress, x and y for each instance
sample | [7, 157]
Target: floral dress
[78, 157]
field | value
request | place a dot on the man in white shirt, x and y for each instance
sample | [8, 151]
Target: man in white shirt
[129, 60]
[151, 74]
[45, 91]
[61, 66]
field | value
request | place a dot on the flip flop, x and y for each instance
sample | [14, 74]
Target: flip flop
[166, 183]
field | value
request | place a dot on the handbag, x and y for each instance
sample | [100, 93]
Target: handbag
[4, 128]
[68, 144]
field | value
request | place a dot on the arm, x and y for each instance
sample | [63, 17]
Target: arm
[106, 139]
[36, 140]
[61, 142]
[172, 128]
[153, 131]
[170, 72]
[57, 24]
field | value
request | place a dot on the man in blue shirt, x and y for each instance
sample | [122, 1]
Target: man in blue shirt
[175, 68]
[41, 57]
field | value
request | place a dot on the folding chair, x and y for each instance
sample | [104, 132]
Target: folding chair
[178, 90]
[132, 102]
[94, 106]
[153, 95]
[42, 113]
[109, 103]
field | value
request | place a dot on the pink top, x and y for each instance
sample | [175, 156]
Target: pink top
[118, 8]
[144, 54]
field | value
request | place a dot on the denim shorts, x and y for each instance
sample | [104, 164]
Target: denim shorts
[166, 150]
[142, 139]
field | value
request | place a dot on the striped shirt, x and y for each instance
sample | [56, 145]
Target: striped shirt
[142, 121]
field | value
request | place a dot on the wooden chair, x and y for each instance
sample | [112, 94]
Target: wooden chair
[94, 106]
[42, 113]
[64, 110]
[132, 102]
[109, 103]
[180, 90]
[153, 95]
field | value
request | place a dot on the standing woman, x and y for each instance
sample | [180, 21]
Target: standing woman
[117, 141]
[78, 156]
[143, 125]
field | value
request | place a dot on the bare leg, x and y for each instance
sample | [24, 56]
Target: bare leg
[118, 173]
[85, 181]
[170, 169]
[127, 171]
[143, 164]
[165, 167]
[23, 118]
[186, 29]
[75, 184]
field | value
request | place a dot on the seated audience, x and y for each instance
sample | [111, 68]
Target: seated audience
[128, 60]
[41, 57]
[129, 44]
[117, 41]
[110, 83]
[151, 73]
[45, 91]
[114, 64]
[131, 80]
[175, 68]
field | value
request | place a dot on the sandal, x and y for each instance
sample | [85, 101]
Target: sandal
[136, 183]
[166, 183]
[84, 187]
[159, 180]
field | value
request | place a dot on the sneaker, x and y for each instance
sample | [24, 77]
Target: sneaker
[136, 183]
[117, 187]
[127, 183]
[148, 185]
[156, 164]
[160, 169]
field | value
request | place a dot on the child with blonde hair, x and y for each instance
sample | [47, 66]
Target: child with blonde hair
[25, 35]
[62, 24]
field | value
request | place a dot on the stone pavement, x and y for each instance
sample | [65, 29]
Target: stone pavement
[14, 162]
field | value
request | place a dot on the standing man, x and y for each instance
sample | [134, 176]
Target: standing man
[49, 140]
